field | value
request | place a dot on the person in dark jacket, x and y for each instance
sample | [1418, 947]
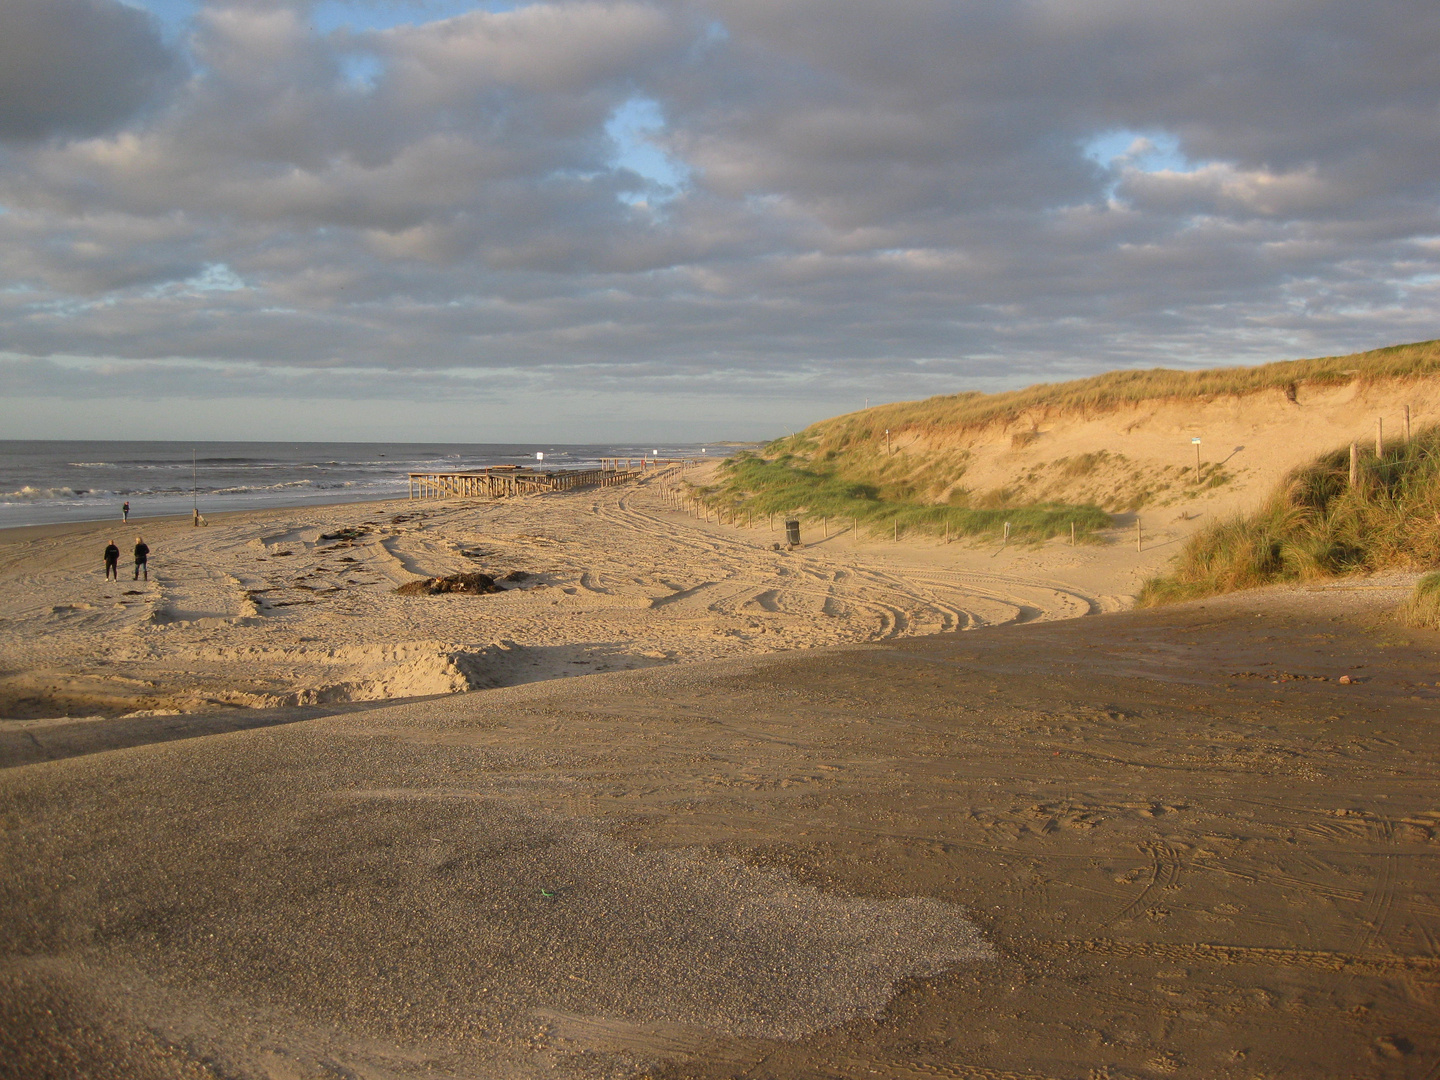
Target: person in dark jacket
[142, 555]
[112, 561]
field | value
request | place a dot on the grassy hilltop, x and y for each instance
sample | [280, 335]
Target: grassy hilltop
[968, 463]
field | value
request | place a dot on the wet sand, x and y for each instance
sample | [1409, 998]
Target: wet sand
[1149, 844]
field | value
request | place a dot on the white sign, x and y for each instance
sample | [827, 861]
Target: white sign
[1196, 440]
[539, 456]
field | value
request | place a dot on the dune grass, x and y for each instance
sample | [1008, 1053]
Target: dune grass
[1423, 608]
[788, 486]
[956, 414]
[1316, 525]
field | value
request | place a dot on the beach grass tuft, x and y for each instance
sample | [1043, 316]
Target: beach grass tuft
[1318, 525]
[1422, 610]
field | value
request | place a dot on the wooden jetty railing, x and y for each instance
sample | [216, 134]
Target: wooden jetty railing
[503, 481]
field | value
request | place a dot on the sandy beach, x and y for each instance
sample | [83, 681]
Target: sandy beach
[298, 607]
[788, 825]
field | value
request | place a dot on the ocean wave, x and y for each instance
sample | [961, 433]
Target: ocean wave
[34, 494]
[246, 489]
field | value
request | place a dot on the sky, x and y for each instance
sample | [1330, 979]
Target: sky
[689, 220]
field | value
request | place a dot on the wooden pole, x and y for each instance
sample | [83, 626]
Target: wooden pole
[1072, 534]
[1197, 463]
[827, 528]
[897, 530]
[1138, 543]
[1407, 424]
[1379, 437]
[1354, 465]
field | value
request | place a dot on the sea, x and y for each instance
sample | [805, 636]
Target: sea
[45, 482]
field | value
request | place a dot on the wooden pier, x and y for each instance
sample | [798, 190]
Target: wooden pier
[505, 481]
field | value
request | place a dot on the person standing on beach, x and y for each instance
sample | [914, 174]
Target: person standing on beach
[112, 561]
[125, 511]
[142, 556]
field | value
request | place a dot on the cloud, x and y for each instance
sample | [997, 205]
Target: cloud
[735, 195]
[77, 67]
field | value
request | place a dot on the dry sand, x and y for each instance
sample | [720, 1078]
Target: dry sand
[1150, 844]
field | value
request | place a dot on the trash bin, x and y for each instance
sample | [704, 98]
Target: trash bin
[792, 533]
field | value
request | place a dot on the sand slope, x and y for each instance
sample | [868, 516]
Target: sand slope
[1158, 844]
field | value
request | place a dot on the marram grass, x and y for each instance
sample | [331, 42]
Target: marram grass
[1316, 525]
[788, 486]
[1423, 608]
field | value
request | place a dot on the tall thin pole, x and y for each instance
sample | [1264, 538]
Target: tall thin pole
[194, 498]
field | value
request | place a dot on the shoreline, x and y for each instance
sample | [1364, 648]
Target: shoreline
[42, 530]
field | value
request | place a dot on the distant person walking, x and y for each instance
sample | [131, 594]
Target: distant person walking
[125, 511]
[112, 561]
[142, 557]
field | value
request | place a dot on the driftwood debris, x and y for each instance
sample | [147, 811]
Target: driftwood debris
[475, 584]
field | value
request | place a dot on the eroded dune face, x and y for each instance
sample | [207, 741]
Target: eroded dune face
[275, 610]
[1141, 457]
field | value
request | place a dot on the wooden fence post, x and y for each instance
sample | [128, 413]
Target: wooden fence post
[1354, 465]
[1138, 543]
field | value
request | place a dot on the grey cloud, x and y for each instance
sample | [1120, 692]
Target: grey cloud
[77, 67]
[891, 196]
